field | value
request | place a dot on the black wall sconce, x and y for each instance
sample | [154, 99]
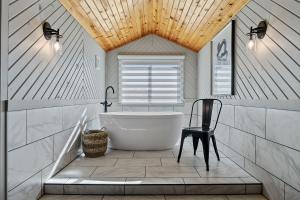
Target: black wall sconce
[49, 32]
[259, 32]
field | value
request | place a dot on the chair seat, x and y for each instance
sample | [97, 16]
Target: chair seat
[197, 130]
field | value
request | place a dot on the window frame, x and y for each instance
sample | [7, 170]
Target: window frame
[143, 59]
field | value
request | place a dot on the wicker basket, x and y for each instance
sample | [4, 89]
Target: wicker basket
[94, 143]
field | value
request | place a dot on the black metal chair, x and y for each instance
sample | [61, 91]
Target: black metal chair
[204, 133]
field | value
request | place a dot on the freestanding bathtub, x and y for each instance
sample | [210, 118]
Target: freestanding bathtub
[142, 130]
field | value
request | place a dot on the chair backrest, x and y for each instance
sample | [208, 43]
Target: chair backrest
[207, 108]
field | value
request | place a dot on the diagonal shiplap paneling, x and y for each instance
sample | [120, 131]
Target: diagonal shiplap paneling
[34, 71]
[272, 72]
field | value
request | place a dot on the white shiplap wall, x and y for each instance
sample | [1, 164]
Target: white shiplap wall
[34, 71]
[43, 89]
[259, 125]
[272, 72]
[153, 44]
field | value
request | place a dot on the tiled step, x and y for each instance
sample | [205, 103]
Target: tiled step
[154, 172]
[153, 197]
[152, 186]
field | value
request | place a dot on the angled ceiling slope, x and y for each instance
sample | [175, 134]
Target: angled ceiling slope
[190, 23]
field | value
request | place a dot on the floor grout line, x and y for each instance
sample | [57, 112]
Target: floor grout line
[145, 165]
[197, 172]
[115, 164]
[93, 171]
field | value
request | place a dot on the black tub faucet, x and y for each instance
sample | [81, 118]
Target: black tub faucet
[105, 103]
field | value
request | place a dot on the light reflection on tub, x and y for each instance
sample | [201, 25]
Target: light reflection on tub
[142, 130]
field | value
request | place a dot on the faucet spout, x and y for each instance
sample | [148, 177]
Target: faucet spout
[105, 103]
[109, 87]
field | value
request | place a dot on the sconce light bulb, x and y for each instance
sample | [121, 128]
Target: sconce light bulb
[57, 46]
[251, 44]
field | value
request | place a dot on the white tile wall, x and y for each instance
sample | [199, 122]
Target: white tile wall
[115, 107]
[94, 124]
[187, 121]
[92, 110]
[233, 155]
[43, 122]
[222, 133]
[227, 115]
[284, 127]
[281, 161]
[274, 164]
[243, 143]
[47, 140]
[72, 115]
[251, 119]
[30, 189]
[135, 108]
[160, 108]
[16, 129]
[186, 107]
[60, 141]
[273, 188]
[46, 172]
[291, 193]
[24, 162]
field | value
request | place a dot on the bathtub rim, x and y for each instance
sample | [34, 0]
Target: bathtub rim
[129, 114]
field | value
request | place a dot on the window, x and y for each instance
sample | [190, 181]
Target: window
[150, 79]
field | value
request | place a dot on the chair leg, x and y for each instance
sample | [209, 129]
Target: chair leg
[205, 144]
[215, 146]
[195, 144]
[183, 136]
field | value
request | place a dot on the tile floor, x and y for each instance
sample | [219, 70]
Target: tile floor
[161, 197]
[123, 172]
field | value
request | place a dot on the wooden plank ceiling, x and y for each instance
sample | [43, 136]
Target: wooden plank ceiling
[190, 23]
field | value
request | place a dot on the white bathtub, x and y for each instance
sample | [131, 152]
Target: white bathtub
[142, 130]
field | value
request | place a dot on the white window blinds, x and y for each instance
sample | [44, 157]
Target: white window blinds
[150, 79]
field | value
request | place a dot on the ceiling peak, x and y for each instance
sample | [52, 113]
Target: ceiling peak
[190, 23]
